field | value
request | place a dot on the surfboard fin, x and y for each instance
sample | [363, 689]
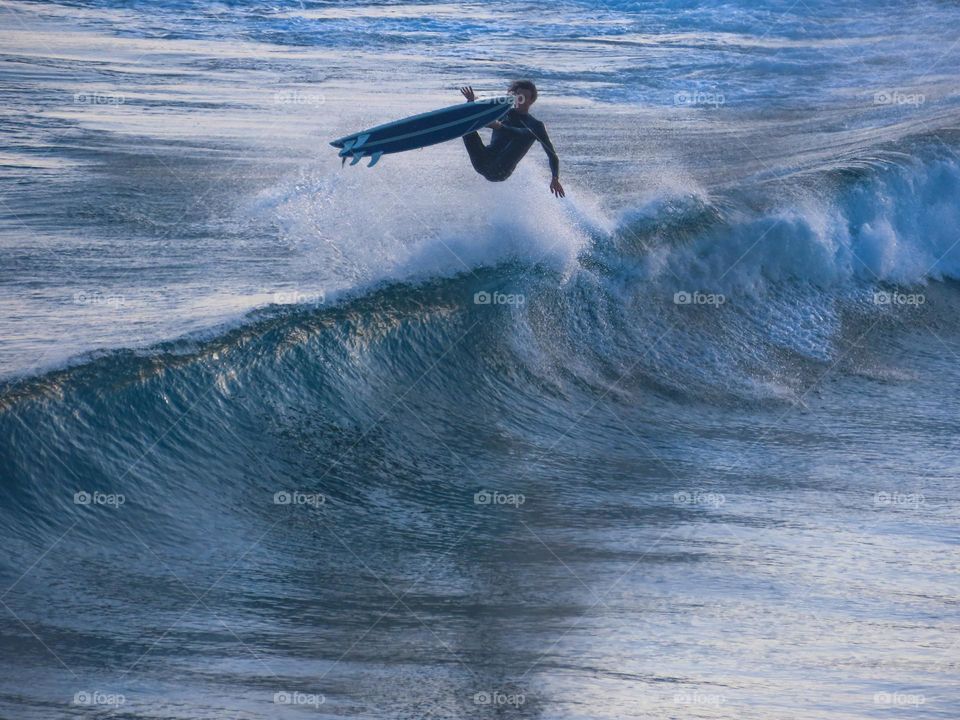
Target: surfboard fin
[357, 157]
[347, 147]
[374, 159]
[361, 140]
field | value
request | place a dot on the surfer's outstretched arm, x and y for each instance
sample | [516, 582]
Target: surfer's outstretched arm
[551, 153]
[555, 187]
[535, 128]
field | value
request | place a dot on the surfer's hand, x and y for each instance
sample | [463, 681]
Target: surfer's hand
[467, 92]
[556, 188]
[495, 125]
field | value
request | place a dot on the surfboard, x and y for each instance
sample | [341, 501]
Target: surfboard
[417, 131]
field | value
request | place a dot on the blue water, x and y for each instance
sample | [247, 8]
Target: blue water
[282, 440]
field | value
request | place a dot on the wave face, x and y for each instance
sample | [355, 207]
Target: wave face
[279, 437]
[387, 460]
[572, 296]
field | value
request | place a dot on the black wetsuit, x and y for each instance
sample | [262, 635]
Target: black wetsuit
[509, 144]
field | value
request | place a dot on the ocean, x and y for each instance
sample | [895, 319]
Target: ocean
[285, 439]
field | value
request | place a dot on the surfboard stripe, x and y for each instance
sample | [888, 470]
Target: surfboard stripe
[383, 136]
[465, 121]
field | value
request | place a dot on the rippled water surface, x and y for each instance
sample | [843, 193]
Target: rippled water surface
[284, 439]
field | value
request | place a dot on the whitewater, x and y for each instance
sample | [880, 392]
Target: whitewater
[284, 439]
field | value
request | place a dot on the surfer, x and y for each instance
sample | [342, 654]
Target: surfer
[512, 138]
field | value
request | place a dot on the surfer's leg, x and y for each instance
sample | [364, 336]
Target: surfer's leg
[484, 161]
[495, 171]
[477, 152]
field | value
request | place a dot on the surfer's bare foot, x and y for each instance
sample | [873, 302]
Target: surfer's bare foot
[467, 92]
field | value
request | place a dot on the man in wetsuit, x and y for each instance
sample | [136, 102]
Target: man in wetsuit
[512, 138]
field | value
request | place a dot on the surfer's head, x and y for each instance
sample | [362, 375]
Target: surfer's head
[525, 92]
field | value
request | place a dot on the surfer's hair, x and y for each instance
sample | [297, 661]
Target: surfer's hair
[524, 85]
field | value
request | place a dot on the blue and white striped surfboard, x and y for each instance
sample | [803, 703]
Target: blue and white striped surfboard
[421, 130]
